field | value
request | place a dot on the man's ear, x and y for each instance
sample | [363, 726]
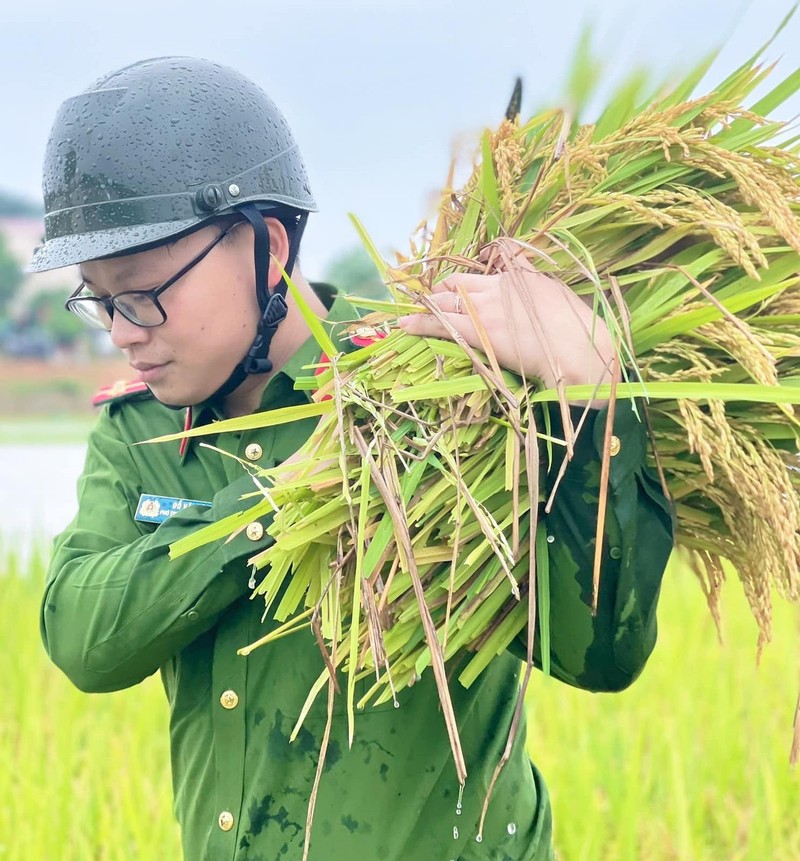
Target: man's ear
[278, 248]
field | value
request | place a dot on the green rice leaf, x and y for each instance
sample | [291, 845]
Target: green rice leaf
[284, 415]
[745, 392]
[356, 611]
[543, 595]
[369, 245]
[491, 198]
[222, 528]
[312, 321]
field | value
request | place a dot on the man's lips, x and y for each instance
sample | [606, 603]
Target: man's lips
[149, 372]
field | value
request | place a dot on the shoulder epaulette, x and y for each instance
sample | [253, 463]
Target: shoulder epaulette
[363, 336]
[119, 391]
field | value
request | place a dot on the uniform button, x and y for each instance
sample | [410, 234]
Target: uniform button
[255, 531]
[192, 615]
[615, 553]
[253, 451]
[229, 700]
[226, 820]
[616, 445]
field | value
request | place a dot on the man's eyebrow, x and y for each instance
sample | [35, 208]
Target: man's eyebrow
[128, 273]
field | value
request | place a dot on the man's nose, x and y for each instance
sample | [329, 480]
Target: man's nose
[125, 334]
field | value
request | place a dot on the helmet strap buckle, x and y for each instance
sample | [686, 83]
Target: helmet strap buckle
[256, 361]
[256, 364]
[274, 305]
[274, 314]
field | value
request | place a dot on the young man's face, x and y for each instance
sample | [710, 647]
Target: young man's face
[212, 312]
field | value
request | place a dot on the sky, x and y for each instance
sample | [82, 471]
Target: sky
[378, 93]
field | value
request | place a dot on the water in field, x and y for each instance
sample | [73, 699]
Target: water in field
[37, 491]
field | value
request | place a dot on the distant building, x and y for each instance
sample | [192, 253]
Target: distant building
[22, 235]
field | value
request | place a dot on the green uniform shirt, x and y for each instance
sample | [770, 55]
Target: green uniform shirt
[116, 610]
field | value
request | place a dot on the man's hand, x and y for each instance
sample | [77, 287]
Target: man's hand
[535, 324]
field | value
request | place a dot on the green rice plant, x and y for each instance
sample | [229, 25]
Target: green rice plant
[677, 219]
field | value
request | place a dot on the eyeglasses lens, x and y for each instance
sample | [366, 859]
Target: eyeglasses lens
[90, 311]
[139, 308]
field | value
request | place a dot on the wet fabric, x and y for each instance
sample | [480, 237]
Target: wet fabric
[117, 610]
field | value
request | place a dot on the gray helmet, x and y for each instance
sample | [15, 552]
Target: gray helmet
[157, 149]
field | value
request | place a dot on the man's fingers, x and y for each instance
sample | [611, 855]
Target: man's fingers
[423, 324]
[468, 281]
[429, 326]
[504, 249]
[450, 303]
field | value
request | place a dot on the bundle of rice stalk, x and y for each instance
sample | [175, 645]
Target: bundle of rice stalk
[406, 533]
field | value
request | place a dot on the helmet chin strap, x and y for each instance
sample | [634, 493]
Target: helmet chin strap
[273, 306]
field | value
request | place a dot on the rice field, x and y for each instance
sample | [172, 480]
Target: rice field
[690, 764]
[61, 428]
[83, 777]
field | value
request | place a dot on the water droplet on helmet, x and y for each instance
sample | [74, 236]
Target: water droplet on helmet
[511, 827]
[479, 838]
[455, 834]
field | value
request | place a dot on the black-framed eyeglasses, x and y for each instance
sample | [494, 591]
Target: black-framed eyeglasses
[140, 307]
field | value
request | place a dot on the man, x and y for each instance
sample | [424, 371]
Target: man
[171, 182]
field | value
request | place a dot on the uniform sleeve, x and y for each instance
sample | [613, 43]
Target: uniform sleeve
[115, 606]
[605, 652]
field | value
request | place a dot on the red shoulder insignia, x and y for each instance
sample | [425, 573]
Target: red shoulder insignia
[366, 335]
[119, 390]
[322, 366]
[362, 337]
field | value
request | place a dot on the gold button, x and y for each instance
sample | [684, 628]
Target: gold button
[253, 451]
[616, 445]
[226, 820]
[255, 531]
[229, 700]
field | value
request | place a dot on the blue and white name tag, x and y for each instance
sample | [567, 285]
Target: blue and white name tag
[156, 509]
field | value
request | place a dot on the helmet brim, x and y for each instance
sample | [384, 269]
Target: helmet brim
[61, 251]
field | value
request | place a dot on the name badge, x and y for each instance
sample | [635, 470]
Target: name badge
[156, 509]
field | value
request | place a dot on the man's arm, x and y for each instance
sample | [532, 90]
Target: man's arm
[115, 606]
[608, 651]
